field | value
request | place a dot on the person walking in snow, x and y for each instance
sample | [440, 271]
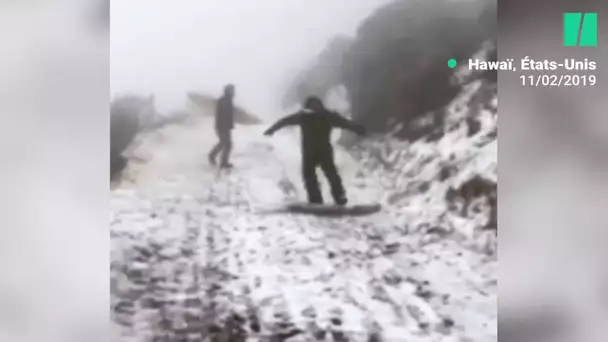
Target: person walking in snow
[224, 123]
[316, 122]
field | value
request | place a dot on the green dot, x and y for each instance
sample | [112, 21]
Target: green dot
[452, 63]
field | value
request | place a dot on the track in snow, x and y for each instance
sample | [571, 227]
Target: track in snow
[193, 256]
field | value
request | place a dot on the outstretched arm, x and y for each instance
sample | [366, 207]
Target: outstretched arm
[339, 121]
[290, 120]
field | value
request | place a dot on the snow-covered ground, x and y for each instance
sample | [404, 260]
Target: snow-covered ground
[195, 254]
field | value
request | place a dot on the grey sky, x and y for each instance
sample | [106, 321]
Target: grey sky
[170, 48]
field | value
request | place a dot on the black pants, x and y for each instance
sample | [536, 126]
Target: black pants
[324, 160]
[224, 146]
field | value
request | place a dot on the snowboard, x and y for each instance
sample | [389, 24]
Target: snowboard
[333, 209]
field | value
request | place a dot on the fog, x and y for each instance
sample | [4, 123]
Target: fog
[170, 48]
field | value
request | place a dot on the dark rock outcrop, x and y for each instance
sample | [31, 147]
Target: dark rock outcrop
[128, 114]
[475, 188]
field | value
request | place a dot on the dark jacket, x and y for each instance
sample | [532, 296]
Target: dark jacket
[316, 128]
[224, 114]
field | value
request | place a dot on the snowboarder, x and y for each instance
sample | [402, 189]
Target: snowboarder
[224, 123]
[316, 123]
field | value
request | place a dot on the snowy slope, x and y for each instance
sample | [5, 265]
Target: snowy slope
[418, 175]
[195, 254]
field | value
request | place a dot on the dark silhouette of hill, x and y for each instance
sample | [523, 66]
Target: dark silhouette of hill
[395, 68]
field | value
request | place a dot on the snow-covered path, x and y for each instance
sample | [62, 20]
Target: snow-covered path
[194, 255]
